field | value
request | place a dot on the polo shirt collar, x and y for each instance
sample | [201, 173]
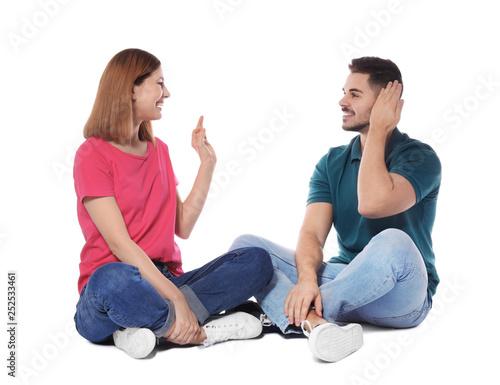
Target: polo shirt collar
[396, 138]
[356, 149]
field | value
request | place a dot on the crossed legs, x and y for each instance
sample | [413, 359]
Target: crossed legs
[385, 285]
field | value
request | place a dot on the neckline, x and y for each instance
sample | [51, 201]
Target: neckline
[395, 138]
[116, 149]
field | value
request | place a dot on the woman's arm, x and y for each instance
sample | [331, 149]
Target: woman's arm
[188, 212]
[108, 218]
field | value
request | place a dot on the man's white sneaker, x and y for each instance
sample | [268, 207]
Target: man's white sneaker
[136, 342]
[235, 326]
[330, 342]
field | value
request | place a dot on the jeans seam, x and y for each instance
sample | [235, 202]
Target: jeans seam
[326, 276]
[420, 312]
[397, 272]
[237, 254]
[355, 306]
[418, 270]
[417, 314]
[282, 260]
[100, 300]
[364, 300]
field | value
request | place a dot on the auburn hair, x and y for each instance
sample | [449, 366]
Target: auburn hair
[112, 115]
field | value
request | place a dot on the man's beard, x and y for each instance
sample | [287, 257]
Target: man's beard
[360, 127]
[357, 128]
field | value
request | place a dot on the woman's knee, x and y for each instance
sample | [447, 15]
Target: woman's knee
[113, 277]
[259, 262]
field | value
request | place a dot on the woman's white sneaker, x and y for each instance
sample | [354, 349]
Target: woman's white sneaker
[235, 326]
[330, 342]
[136, 342]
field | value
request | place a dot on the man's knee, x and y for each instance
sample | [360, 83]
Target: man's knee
[394, 247]
[396, 235]
[395, 239]
[246, 240]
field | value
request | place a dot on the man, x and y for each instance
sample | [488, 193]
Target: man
[380, 194]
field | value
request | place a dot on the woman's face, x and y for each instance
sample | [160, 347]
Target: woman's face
[148, 98]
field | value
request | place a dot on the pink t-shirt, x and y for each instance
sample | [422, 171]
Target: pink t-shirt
[144, 188]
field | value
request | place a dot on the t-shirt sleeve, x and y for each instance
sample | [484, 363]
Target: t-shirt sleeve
[92, 173]
[163, 148]
[319, 185]
[420, 165]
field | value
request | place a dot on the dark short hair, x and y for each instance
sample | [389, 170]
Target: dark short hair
[380, 71]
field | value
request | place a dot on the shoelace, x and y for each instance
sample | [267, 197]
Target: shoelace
[215, 334]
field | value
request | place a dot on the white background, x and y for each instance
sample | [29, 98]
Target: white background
[237, 63]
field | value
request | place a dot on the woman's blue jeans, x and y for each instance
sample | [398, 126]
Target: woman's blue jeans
[385, 285]
[117, 296]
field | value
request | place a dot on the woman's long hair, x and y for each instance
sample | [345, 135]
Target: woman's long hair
[112, 115]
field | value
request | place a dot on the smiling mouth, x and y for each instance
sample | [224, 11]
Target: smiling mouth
[347, 113]
[159, 105]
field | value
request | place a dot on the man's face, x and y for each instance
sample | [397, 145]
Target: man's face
[357, 103]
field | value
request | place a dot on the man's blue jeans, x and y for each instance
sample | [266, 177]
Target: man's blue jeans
[385, 285]
[116, 296]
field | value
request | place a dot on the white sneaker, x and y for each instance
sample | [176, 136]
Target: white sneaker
[136, 342]
[330, 342]
[235, 326]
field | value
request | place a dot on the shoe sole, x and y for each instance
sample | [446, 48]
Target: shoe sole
[333, 343]
[136, 342]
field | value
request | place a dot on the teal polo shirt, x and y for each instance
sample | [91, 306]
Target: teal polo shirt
[335, 181]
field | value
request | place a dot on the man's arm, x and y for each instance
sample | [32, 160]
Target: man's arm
[380, 193]
[308, 258]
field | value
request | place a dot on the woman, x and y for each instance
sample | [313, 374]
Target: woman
[131, 284]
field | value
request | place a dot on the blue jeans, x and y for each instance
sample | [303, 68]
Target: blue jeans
[116, 296]
[385, 285]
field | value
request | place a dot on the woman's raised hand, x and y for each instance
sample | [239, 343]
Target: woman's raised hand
[201, 145]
